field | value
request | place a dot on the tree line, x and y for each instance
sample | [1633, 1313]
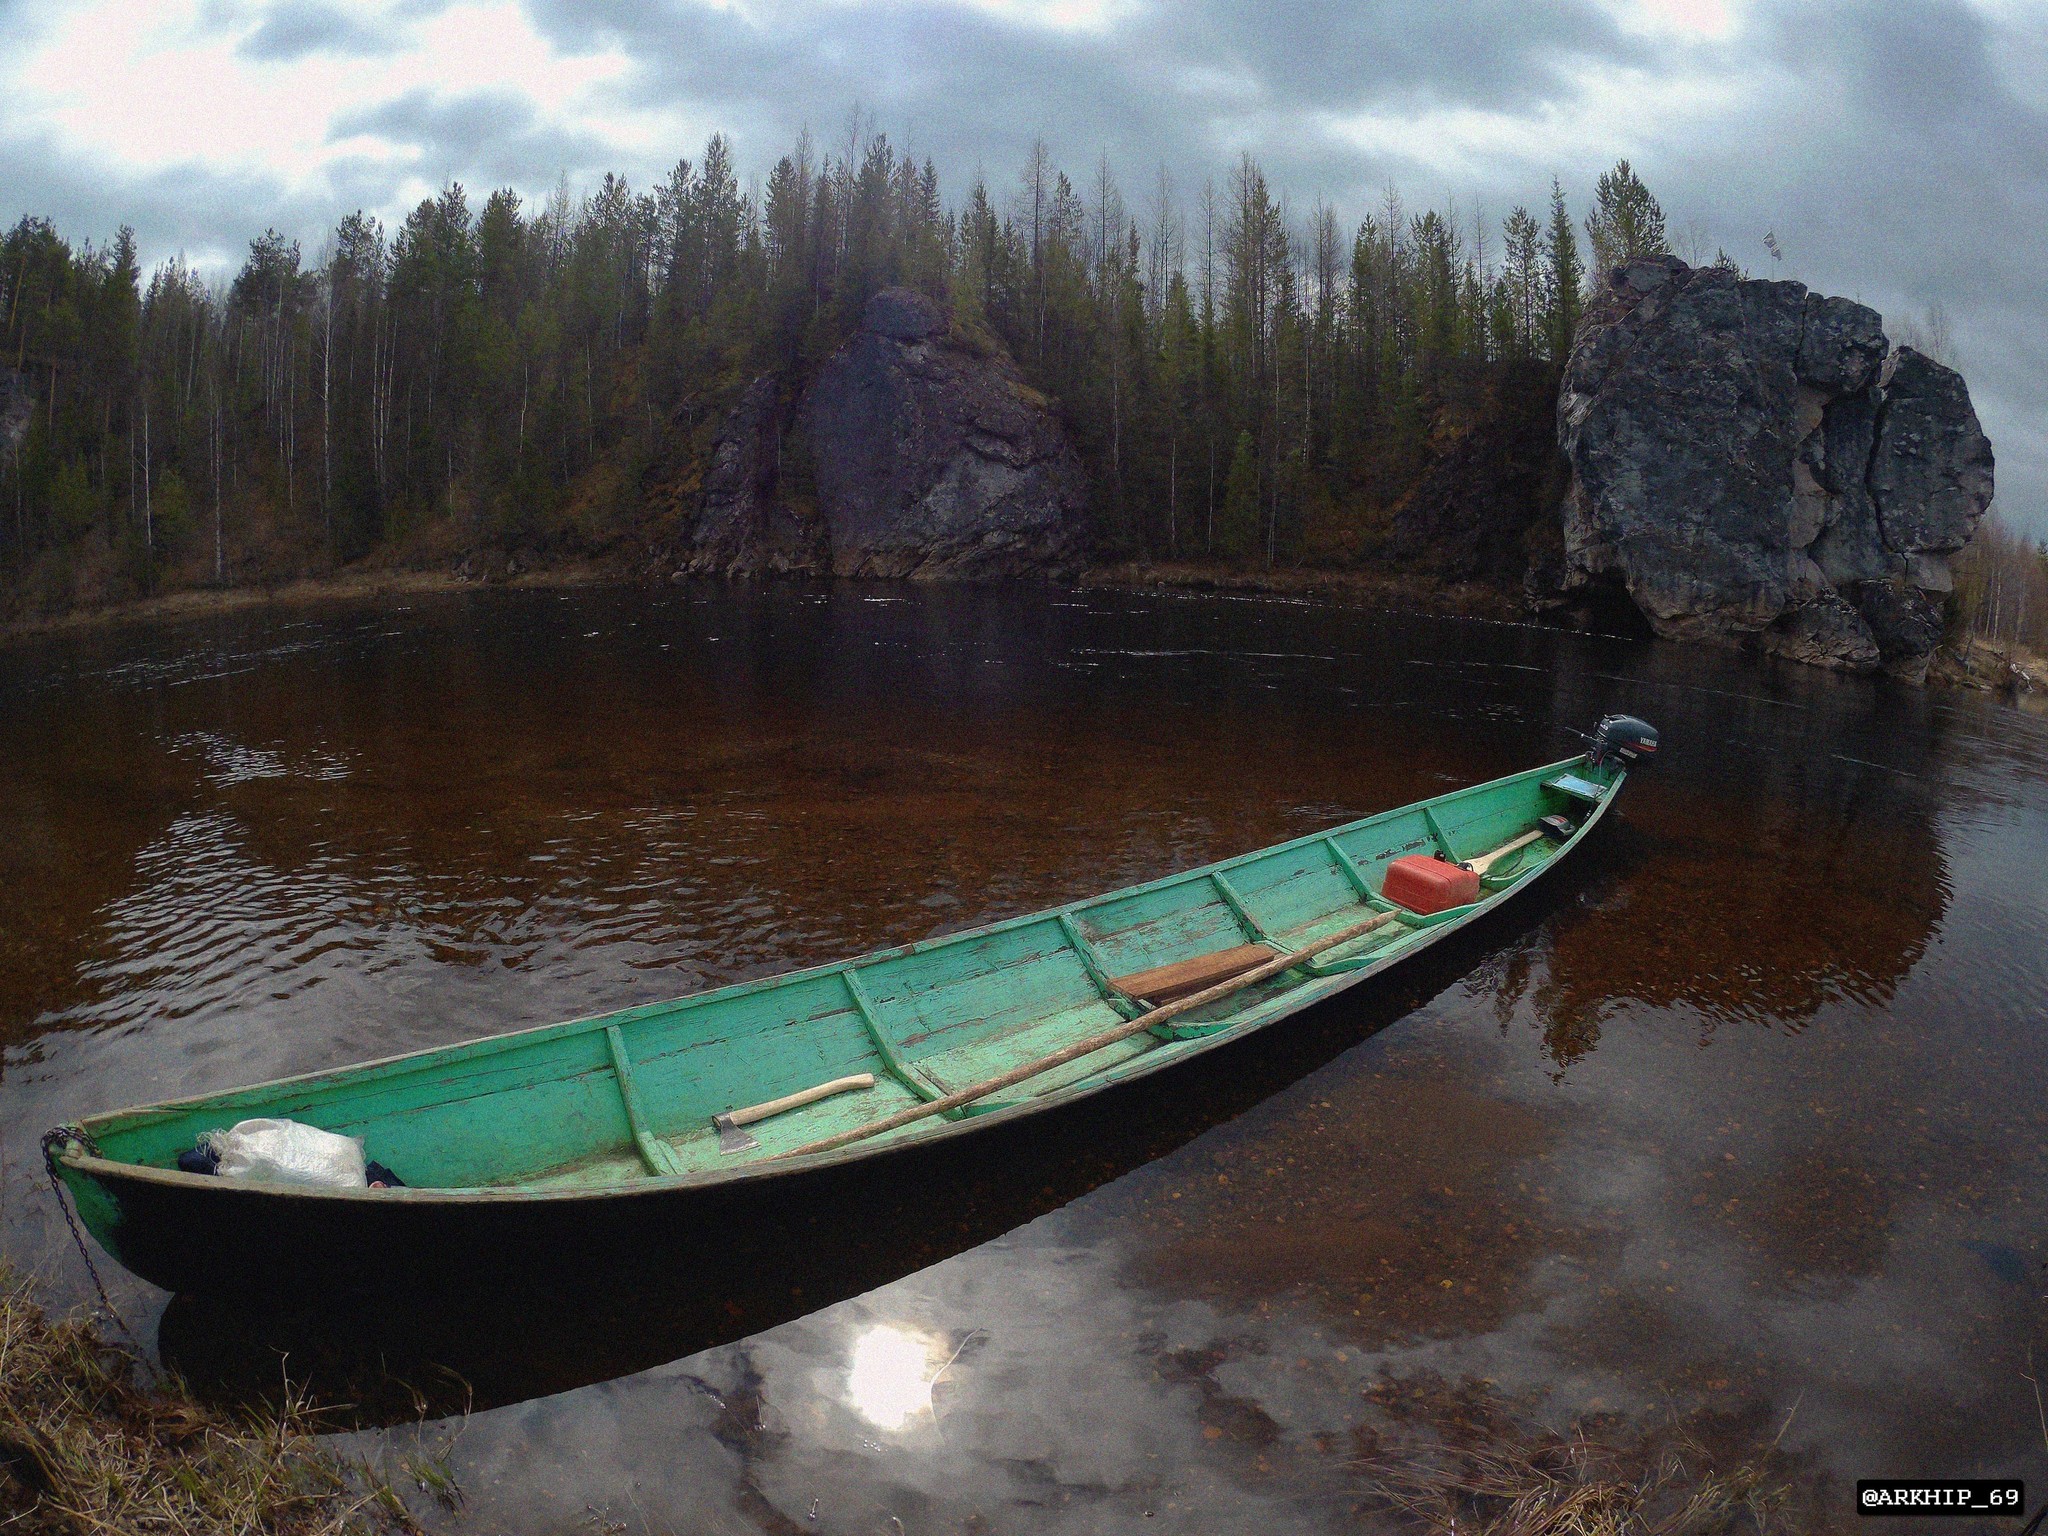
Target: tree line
[2002, 591]
[1245, 380]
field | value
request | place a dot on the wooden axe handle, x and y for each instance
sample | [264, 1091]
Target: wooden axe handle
[800, 1098]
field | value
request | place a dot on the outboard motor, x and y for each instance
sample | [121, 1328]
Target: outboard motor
[1623, 737]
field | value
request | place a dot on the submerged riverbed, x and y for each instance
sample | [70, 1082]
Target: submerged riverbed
[1734, 1131]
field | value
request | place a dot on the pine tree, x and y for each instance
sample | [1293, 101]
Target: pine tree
[1237, 529]
[1522, 278]
[1563, 274]
[1626, 223]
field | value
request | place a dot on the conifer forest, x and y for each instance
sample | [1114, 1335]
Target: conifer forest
[1247, 382]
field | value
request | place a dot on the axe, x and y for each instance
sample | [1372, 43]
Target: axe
[732, 1139]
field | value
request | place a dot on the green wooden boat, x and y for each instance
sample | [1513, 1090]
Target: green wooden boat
[595, 1144]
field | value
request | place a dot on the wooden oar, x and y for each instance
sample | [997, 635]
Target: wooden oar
[1093, 1043]
[1143, 1021]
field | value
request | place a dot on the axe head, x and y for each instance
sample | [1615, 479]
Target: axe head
[730, 1137]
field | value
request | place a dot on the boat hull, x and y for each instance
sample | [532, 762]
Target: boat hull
[250, 1242]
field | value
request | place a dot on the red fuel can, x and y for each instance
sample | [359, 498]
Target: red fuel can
[1429, 885]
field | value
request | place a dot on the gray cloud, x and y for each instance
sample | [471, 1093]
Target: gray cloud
[206, 214]
[295, 28]
[1314, 54]
[1189, 82]
[483, 136]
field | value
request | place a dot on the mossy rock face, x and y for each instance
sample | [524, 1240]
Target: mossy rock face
[910, 453]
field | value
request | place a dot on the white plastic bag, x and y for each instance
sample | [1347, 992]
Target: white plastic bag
[286, 1152]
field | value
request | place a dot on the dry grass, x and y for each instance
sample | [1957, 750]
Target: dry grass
[91, 1446]
[1478, 1470]
[2002, 666]
[1579, 1488]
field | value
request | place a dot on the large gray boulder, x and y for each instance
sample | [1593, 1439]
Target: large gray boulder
[1752, 462]
[912, 453]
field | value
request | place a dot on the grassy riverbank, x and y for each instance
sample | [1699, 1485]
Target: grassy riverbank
[91, 1442]
[1996, 666]
[350, 584]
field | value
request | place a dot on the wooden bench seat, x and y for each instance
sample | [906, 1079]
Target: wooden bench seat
[1183, 978]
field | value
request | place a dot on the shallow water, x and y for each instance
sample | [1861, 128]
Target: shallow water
[1739, 1122]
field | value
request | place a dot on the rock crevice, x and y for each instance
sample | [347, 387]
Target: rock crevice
[1753, 462]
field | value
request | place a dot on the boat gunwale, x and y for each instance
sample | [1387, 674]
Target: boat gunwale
[1268, 1011]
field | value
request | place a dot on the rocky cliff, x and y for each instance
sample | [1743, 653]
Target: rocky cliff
[1742, 461]
[1754, 462]
[912, 452]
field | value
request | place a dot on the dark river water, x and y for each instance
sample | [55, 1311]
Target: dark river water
[1737, 1132]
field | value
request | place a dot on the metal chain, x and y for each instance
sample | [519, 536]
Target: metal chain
[52, 1140]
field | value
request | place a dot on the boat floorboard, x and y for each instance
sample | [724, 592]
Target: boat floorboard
[966, 1065]
[696, 1148]
[1327, 923]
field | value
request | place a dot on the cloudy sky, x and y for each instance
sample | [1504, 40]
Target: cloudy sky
[1897, 149]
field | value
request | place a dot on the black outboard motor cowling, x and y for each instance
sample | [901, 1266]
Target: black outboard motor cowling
[1624, 737]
